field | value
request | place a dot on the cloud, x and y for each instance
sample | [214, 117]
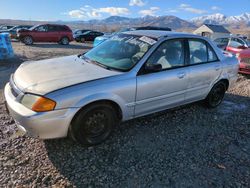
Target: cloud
[188, 8]
[172, 11]
[88, 12]
[76, 14]
[139, 3]
[149, 12]
[114, 10]
[215, 8]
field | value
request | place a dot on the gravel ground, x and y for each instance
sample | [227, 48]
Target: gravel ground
[189, 146]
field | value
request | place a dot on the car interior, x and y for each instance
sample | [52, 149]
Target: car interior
[170, 54]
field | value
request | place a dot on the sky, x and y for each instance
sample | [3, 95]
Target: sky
[68, 10]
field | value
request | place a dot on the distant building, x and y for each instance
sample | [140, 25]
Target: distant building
[212, 31]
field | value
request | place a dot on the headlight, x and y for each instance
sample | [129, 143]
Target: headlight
[38, 103]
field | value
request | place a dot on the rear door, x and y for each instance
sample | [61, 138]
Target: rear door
[204, 69]
[166, 88]
[53, 33]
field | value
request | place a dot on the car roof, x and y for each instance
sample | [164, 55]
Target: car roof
[159, 34]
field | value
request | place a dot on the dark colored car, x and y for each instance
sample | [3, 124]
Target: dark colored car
[239, 47]
[5, 27]
[88, 36]
[61, 34]
[78, 32]
[13, 30]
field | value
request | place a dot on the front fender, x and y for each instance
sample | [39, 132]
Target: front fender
[126, 108]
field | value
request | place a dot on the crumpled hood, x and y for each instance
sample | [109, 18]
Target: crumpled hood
[45, 76]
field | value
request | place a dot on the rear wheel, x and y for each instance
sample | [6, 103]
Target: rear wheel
[28, 40]
[64, 41]
[94, 124]
[216, 95]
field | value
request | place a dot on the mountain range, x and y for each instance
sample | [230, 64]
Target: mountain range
[115, 22]
[161, 21]
[222, 19]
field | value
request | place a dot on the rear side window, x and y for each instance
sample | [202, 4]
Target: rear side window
[52, 28]
[201, 52]
[63, 28]
[218, 40]
[58, 28]
[223, 41]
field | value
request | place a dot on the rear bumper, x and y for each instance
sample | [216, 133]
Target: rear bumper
[45, 125]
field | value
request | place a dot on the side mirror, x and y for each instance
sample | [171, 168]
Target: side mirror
[153, 67]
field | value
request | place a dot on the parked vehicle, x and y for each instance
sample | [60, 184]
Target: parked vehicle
[13, 30]
[244, 59]
[240, 47]
[5, 27]
[100, 39]
[88, 36]
[79, 32]
[46, 33]
[131, 75]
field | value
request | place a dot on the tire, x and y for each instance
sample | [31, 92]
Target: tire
[216, 95]
[28, 40]
[93, 125]
[82, 40]
[64, 41]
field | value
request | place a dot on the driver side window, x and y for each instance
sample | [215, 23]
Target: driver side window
[169, 54]
[42, 28]
[235, 43]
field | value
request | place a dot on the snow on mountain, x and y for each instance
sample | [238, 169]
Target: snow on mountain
[222, 19]
[241, 18]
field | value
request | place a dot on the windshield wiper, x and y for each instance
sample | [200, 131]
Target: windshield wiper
[93, 62]
[88, 60]
[100, 65]
[80, 55]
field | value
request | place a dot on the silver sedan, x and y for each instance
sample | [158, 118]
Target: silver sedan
[130, 75]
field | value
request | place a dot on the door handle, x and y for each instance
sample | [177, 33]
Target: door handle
[181, 75]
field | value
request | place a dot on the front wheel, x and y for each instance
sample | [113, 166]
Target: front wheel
[28, 40]
[216, 95]
[94, 124]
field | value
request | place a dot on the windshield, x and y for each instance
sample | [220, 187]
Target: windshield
[13, 28]
[121, 52]
[85, 32]
[33, 27]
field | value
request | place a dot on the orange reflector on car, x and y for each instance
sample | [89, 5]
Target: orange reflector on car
[43, 105]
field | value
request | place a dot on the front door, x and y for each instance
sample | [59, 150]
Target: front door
[165, 88]
[40, 33]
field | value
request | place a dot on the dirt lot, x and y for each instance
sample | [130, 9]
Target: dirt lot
[189, 146]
